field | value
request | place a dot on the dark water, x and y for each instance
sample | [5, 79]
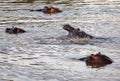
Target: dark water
[44, 54]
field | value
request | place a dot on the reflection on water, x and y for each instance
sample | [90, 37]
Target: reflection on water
[44, 53]
[31, 1]
[26, 1]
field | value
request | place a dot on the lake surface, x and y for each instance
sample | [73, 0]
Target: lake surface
[44, 54]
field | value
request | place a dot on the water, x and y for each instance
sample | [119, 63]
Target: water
[44, 54]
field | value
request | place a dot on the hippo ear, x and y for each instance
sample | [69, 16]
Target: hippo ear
[78, 29]
[46, 7]
[92, 54]
[67, 25]
[99, 53]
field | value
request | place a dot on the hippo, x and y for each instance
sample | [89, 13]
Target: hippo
[96, 60]
[14, 30]
[76, 32]
[49, 10]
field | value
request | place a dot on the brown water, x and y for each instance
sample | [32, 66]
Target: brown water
[44, 54]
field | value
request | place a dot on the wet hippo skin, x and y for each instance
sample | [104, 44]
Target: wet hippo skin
[49, 10]
[14, 30]
[76, 32]
[96, 60]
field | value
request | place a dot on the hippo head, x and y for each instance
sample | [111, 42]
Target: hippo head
[14, 30]
[76, 32]
[50, 10]
[96, 60]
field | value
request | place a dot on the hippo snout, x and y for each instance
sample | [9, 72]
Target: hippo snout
[68, 27]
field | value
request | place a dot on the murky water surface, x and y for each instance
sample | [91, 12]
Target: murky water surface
[44, 54]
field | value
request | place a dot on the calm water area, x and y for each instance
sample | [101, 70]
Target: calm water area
[44, 54]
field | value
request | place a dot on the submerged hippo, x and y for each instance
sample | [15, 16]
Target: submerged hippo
[97, 60]
[49, 10]
[14, 30]
[76, 32]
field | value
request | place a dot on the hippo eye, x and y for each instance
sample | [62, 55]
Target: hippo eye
[91, 58]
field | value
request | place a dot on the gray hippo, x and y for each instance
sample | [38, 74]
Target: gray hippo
[14, 30]
[96, 60]
[76, 32]
[49, 10]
